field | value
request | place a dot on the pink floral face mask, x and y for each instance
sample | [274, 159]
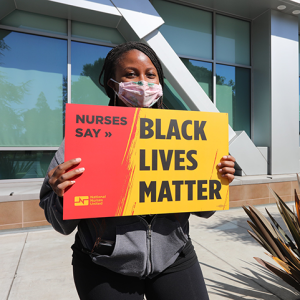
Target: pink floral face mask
[139, 93]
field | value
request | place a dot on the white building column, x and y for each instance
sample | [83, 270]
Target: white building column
[275, 107]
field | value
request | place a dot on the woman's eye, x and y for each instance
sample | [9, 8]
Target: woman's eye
[151, 75]
[131, 74]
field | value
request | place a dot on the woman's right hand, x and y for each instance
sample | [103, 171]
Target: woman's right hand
[60, 179]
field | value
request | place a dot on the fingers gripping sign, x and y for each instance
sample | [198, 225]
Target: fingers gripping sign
[226, 167]
[60, 178]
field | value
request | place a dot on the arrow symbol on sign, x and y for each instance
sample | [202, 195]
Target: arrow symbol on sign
[108, 134]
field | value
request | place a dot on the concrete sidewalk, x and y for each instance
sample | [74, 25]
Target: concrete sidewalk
[36, 263]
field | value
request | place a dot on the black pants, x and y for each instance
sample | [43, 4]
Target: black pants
[101, 283]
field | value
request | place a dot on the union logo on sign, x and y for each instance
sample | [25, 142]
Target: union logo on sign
[81, 201]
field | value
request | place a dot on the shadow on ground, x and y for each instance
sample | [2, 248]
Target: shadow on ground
[259, 276]
[234, 227]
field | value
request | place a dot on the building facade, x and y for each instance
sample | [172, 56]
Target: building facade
[240, 57]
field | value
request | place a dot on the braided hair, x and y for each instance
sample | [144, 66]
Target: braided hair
[112, 59]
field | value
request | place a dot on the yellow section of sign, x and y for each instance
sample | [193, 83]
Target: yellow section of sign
[174, 158]
[81, 201]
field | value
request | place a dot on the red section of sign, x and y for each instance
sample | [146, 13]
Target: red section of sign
[97, 133]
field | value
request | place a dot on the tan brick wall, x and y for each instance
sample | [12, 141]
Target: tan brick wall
[257, 194]
[19, 214]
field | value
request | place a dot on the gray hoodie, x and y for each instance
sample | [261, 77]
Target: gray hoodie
[140, 249]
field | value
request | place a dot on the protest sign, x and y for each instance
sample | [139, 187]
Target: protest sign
[142, 161]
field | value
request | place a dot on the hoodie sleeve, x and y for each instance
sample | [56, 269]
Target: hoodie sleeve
[51, 203]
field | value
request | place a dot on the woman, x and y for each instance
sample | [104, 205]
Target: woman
[123, 257]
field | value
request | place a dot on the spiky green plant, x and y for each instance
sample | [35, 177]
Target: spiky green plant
[283, 250]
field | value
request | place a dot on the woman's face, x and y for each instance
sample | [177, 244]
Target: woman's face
[134, 65]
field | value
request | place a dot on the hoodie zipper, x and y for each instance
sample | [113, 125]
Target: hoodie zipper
[149, 235]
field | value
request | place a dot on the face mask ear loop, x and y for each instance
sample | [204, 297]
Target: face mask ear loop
[115, 100]
[114, 81]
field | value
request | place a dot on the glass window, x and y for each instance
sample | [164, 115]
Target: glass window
[171, 98]
[28, 20]
[24, 164]
[233, 95]
[232, 40]
[87, 62]
[96, 33]
[202, 72]
[187, 30]
[33, 78]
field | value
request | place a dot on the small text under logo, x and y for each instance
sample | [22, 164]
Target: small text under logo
[88, 200]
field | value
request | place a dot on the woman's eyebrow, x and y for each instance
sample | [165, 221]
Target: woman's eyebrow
[135, 69]
[129, 68]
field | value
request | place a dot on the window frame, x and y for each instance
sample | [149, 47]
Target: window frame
[69, 38]
[214, 61]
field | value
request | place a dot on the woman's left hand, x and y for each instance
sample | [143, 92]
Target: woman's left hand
[226, 167]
